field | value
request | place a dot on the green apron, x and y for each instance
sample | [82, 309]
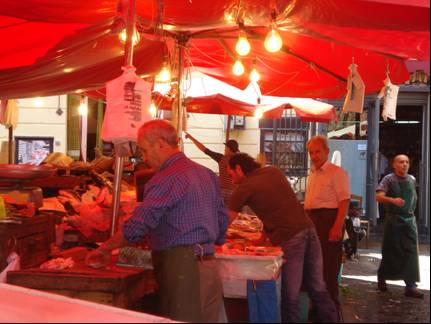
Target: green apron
[400, 255]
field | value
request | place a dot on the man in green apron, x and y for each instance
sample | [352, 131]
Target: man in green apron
[400, 255]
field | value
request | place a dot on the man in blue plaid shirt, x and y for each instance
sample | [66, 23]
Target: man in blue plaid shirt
[184, 216]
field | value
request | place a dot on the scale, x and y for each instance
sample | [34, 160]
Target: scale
[14, 179]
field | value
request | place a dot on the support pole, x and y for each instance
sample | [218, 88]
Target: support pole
[10, 144]
[83, 129]
[119, 160]
[180, 45]
[180, 87]
[274, 142]
[99, 143]
[424, 205]
[372, 160]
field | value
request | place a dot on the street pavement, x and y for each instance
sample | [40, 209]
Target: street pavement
[363, 303]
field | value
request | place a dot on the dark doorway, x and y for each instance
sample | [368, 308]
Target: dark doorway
[403, 136]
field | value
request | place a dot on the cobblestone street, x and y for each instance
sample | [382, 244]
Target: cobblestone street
[363, 303]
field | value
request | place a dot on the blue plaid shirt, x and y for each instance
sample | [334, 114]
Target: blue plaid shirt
[182, 206]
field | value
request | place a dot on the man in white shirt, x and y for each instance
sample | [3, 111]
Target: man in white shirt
[327, 200]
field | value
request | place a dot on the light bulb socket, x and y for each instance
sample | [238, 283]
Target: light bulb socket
[273, 16]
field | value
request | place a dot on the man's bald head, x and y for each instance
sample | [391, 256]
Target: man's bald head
[401, 165]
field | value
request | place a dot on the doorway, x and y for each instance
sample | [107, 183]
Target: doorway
[403, 136]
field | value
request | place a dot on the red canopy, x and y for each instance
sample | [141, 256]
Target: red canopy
[205, 94]
[62, 46]
[220, 104]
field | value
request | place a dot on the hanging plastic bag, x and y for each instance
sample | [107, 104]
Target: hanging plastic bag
[128, 107]
[390, 94]
[13, 263]
[354, 101]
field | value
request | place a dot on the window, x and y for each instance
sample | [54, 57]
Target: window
[283, 142]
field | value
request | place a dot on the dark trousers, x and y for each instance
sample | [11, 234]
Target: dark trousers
[177, 276]
[323, 220]
[211, 291]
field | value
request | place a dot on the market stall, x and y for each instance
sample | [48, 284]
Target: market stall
[122, 287]
[68, 31]
[23, 305]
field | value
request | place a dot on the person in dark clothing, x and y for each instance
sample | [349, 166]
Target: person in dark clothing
[400, 255]
[231, 147]
[267, 191]
[354, 231]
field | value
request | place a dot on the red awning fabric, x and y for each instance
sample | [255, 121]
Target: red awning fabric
[321, 38]
[85, 59]
[222, 105]
[219, 104]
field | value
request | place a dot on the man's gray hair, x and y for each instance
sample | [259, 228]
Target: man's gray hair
[319, 139]
[158, 129]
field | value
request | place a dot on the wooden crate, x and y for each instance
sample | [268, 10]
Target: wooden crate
[116, 286]
[31, 239]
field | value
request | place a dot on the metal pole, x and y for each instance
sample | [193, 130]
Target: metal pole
[83, 118]
[424, 169]
[372, 160]
[180, 45]
[274, 142]
[10, 143]
[99, 119]
[313, 129]
[119, 161]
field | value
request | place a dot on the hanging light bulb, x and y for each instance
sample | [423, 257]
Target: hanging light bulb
[164, 74]
[242, 46]
[135, 38]
[38, 102]
[238, 68]
[83, 108]
[258, 113]
[254, 75]
[153, 110]
[273, 41]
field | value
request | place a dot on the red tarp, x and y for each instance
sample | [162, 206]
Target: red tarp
[41, 38]
[211, 96]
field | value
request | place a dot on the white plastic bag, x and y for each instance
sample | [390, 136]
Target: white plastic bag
[390, 94]
[239, 267]
[13, 261]
[354, 101]
[128, 107]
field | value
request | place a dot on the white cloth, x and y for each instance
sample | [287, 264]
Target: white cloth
[326, 187]
[390, 94]
[354, 101]
[128, 107]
